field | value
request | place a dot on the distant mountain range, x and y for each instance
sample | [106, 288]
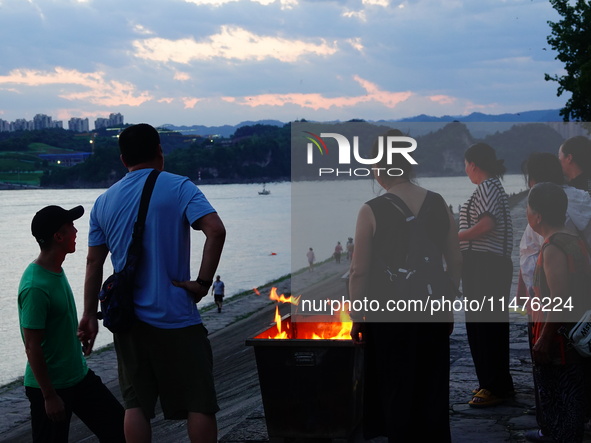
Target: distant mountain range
[222, 131]
[549, 115]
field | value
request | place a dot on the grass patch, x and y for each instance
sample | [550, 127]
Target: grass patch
[13, 164]
[13, 384]
[42, 148]
[102, 349]
[30, 178]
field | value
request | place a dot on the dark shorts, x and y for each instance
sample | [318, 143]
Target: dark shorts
[90, 400]
[218, 297]
[173, 364]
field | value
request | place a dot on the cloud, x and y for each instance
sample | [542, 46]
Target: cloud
[233, 43]
[182, 76]
[356, 43]
[442, 99]
[140, 29]
[190, 102]
[384, 3]
[360, 15]
[316, 101]
[284, 3]
[97, 90]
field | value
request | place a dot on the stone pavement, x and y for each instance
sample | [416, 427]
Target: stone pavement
[503, 423]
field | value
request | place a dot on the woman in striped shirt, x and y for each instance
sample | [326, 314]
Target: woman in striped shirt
[486, 241]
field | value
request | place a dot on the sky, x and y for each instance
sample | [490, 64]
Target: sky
[215, 62]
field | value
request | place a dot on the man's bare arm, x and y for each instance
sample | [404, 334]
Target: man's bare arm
[54, 405]
[215, 233]
[88, 327]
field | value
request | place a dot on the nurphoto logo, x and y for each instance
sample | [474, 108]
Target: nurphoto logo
[386, 146]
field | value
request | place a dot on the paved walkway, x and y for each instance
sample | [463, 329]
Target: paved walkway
[242, 416]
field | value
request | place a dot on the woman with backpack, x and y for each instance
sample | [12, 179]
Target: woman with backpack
[486, 242]
[406, 362]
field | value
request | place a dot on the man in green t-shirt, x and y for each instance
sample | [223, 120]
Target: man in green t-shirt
[57, 380]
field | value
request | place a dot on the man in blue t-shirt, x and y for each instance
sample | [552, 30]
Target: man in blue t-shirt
[57, 380]
[166, 354]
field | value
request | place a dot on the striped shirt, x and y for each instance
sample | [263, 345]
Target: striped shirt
[490, 199]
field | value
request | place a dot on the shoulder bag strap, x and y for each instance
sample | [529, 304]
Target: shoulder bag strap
[138, 227]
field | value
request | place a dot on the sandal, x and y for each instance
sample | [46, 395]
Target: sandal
[484, 399]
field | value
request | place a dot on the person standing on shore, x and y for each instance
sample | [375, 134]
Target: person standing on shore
[486, 241]
[57, 380]
[311, 257]
[218, 288]
[575, 158]
[167, 353]
[350, 248]
[338, 250]
[545, 167]
[562, 273]
[400, 374]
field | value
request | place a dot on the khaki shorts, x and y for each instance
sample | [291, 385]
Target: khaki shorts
[173, 364]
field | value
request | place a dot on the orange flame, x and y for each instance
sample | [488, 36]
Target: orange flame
[256, 291]
[278, 319]
[280, 334]
[336, 328]
[282, 298]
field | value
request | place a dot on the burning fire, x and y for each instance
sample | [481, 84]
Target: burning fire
[282, 299]
[337, 328]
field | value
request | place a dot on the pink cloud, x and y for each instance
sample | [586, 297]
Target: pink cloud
[96, 89]
[442, 99]
[190, 102]
[318, 101]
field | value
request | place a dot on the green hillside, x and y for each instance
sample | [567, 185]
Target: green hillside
[20, 162]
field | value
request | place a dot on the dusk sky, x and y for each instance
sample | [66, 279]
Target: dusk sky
[215, 62]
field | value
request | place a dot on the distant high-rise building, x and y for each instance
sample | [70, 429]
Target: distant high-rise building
[101, 123]
[22, 125]
[78, 124]
[115, 119]
[42, 121]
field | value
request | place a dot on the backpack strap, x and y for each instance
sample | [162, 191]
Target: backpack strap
[402, 207]
[399, 204]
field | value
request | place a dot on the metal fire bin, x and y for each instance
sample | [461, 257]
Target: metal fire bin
[311, 389]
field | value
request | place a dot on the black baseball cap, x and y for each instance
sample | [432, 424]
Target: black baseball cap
[50, 219]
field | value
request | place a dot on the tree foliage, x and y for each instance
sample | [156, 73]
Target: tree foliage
[571, 38]
[254, 153]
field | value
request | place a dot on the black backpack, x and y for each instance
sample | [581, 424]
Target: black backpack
[421, 275]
